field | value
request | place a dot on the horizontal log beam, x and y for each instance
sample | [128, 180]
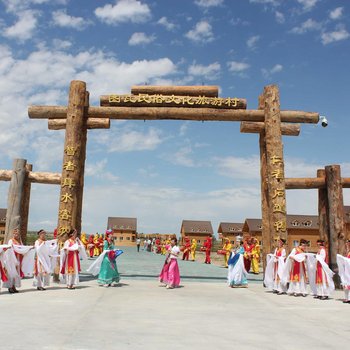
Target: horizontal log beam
[91, 123]
[305, 183]
[5, 175]
[258, 127]
[345, 182]
[45, 178]
[162, 113]
[35, 177]
[143, 100]
[205, 90]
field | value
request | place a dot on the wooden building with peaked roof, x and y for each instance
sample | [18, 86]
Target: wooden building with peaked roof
[2, 224]
[198, 230]
[124, 230]
[298, 226]
[230, 230]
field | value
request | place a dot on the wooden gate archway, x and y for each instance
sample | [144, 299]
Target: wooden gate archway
[197, 103]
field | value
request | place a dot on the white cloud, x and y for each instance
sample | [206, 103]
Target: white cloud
[24, 28]
[124, 11]
[252, 41]
[336, 13]
[201, 33]
[98, 170]
[279, 17]
[19, 5]
[43, 78]
[184, 128]
[59, 44]
[239, 168]
[209, 72]
[268, 72]
[237, 67]
[266, 2]
[166, 23]
[306, 26]
[62, 19]
[183, 157]
[208, 3]
[140, 39]
[125, 139]
[337, 35]
[308, 4]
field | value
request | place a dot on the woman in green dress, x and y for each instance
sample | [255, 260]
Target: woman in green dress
[106, 265]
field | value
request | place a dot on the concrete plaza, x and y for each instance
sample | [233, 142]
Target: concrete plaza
[138, 314]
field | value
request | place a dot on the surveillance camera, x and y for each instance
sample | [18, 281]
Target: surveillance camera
[324, 121]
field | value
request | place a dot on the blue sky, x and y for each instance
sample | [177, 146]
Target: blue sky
[165, 171]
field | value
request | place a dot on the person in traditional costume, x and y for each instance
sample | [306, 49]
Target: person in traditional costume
[170, 274]
[3, 272]
[193, 249]
[91, 246]
[44, 258]
[237, 274]
[255, 256]
[101, 241]
[96, 245]
[207, 246]
[295, 271]
[84, 240]
[106, 266]
[25, 262]
[321, 280]
[274, 269]
[186, 249]
[344, 271]
[226, 250]
[248, 246]
[71, 253]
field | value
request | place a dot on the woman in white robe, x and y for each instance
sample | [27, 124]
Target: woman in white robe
[344, 271]
[43, 267]
[274, 269]
[25, 262]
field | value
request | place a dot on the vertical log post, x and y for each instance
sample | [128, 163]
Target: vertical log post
[13, 214]
[335, 217]
[266, 240]
[323, 210]
[71, 186]
[275, 165]
[25, 204]
[82, 166]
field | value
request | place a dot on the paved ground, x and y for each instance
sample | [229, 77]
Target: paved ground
[139, 314]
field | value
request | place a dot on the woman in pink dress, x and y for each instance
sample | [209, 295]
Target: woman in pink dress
[170, 274]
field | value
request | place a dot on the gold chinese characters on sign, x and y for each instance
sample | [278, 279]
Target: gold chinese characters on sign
[278, 197]
[156, 99]
[67, 185]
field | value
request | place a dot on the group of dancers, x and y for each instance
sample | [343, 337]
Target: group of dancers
[283, 274]
[291, 274]
[43, 259]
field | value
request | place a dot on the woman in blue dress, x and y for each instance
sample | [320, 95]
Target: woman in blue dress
[237, 274]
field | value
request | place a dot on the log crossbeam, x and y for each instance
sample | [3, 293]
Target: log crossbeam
[34, 177]
[166, 113]
[312, 182]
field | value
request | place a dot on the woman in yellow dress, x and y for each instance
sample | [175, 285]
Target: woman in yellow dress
[97, 245]
[193, 249]
[84, 240]
[227, 248]
[255, 256]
